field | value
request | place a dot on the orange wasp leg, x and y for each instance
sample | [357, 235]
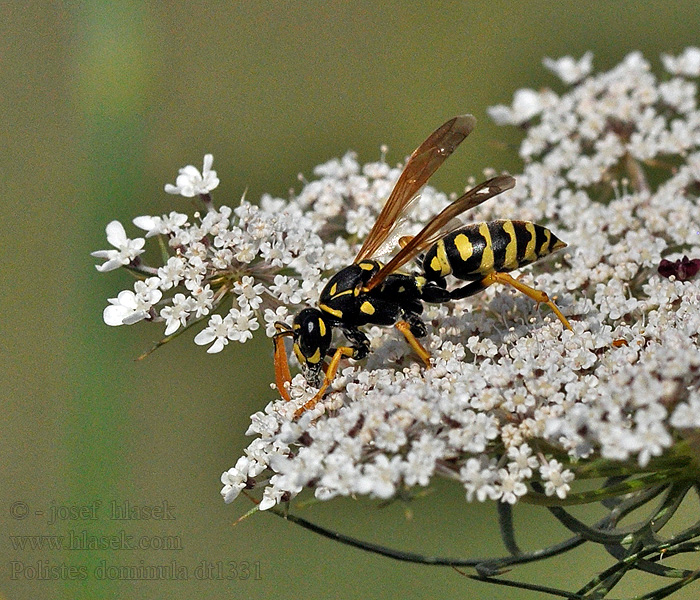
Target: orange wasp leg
[405, 328]
[331, 370]
[537, 295]
[282, 374]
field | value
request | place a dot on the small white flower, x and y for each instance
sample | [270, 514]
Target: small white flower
[587, 171]
[234, 479]
[176, 315]
[190, 182]
[510, 486]
[568, 69]
[203, 301]
[271, 495]
[653, 439]
[248, 292]
[222, 258]
[246, 252]
[688, 63]
[680, 94]
[217, 333]
[172, 272]
[380, 476]
[260, 229]
[376, 170]
[244, 323]
[286, 289]
[194, 272]
[160, 225]
[526, 105]
[687, 414]
[131, 307]
[276, 254]
[522, 460]
[359, 222]
[420, 461]
[556, 480]
[479, 477]
[126, 249]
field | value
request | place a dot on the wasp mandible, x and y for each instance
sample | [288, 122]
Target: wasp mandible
[371, 293]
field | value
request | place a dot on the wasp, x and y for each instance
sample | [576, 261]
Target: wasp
[369, 292]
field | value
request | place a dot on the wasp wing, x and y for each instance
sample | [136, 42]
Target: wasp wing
[442, 224]
[424, 161]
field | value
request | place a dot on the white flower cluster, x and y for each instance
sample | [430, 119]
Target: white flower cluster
[612, 166]
[262, 258]
[511, 397]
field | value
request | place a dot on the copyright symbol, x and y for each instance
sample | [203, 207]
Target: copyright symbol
[19, 510]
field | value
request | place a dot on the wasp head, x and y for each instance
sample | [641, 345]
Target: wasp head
[312, 339]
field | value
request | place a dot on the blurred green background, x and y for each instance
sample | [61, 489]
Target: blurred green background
[101, 104]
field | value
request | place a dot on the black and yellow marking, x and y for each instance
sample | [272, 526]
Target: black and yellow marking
[314, 359]
[439, 261]
[338, 314]
[464, 246]
[341, 296]
[487, 253]
[528, 235]
[510, 253]
[367, 308]
[477, 250]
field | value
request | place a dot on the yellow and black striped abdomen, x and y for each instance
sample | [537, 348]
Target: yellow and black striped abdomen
[482, 248]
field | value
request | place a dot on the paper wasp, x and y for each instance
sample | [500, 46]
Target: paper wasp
[371, 293]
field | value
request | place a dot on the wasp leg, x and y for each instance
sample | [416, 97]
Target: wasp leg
[359, 342]
[417, 325]
[469, 290]
[331, 370]
[537, 295]
[282, 374]
[405, 328]
[504, 278]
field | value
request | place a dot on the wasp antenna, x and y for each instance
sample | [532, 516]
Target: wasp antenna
[282, 329]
